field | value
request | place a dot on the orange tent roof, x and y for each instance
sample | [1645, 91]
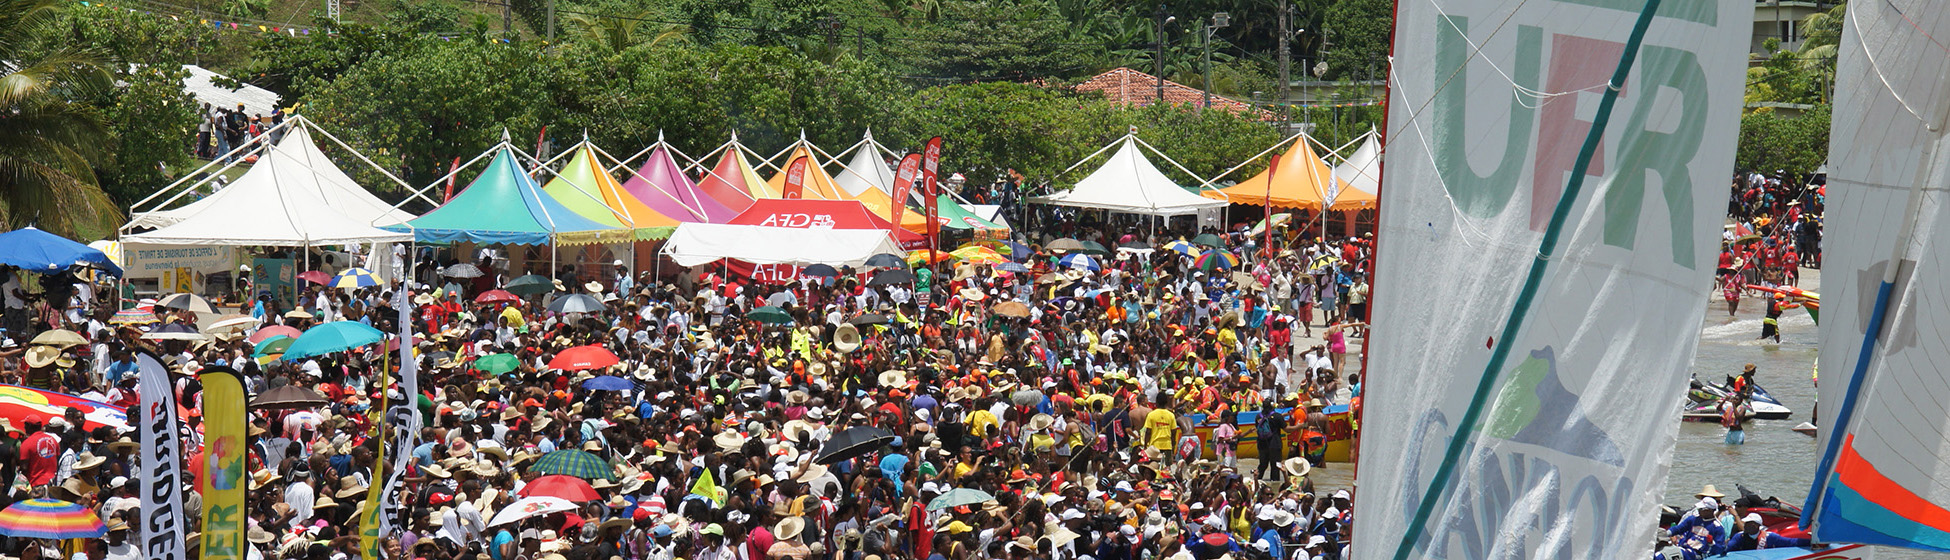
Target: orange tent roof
[819, 184]
[1302, 181]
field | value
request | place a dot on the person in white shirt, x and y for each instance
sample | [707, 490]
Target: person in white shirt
[300, 497]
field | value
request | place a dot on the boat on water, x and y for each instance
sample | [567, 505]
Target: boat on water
[1704, 398]
[1338, 435]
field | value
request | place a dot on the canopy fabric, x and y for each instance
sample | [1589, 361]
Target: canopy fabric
[504, 205]
[990, 212]
[819, 184]
[732, 181]
[651, 184]
[662, 170]
[809, 213]
[303, 168]
[1129, 183]
[867, 178]
[695, 244]
[38, 251]
[1303, 180]
[955, 216]
[1362, 170]
[292, 197]
[587, 189]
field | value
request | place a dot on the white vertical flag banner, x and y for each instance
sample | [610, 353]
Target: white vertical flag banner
[402, 417]
[161, 463]
[1491, 105]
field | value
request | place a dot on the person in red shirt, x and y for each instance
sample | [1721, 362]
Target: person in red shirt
[40, 453]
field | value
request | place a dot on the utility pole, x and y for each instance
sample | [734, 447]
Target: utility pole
[551, 22]
[1286, 64]
[1158, 60]
[507, 19]
[1219, 20]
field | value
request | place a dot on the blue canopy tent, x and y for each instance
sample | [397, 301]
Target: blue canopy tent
[504, 205]
[38, 251]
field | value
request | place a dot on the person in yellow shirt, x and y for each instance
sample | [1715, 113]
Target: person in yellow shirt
[1161, 428]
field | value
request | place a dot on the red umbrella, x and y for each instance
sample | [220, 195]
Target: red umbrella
[315, 277]
[583, 357]
[496, 296]
[560, 486]
[267, 333]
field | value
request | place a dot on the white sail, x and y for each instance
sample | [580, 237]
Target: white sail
[1575, 437]
[1887, 484]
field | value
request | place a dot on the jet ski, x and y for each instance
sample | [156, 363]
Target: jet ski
[1762, 406]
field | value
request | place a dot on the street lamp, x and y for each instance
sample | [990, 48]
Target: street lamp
[1159, 59]
[1219, 20]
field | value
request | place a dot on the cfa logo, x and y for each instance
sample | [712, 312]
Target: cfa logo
[801, 221]
[1666, 80]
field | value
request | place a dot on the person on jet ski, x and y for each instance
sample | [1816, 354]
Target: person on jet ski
[1744, 385]
[1753, 536]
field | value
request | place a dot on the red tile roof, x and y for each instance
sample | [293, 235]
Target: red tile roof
[1138, 89]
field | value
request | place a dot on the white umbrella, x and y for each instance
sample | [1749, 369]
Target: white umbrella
[187, 302]
[462, 270]
[529, 507]
[237, 322]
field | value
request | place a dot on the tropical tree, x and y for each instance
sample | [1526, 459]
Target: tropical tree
[48, 138]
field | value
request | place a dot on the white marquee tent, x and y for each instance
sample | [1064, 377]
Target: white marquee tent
[1362, 169]
[1129, 183]
[699, 243]
[302, 167]
[866, 170]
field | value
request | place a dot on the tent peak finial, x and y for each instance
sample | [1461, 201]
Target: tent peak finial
[660, 136]
[504, 135]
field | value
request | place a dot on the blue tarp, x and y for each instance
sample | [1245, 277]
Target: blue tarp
[46, 253]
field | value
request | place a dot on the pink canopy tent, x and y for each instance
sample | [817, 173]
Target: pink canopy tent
[671, 193]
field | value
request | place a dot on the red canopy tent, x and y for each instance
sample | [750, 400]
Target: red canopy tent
[807, 213]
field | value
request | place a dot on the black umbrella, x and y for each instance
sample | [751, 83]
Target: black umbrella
[287, 397]
[891, 277]
[1094, 248]
[868, 319]
[823, 270]
[530, 285]
[887, 260]
[852, 442]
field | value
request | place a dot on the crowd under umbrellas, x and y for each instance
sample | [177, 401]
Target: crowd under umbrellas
[1027, 398]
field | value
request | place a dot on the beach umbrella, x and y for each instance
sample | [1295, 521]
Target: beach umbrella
[462, 270]
[336, 336]
[273, 331]
[132, 317]
[959, 497]
[233, 322]
[38, 251]
[1209, 240]
[174, 331]
[531, 284]
[560, 486]
[355, 277]
[821, 270]
[852, 442]
[1183, 247]
[577, 303]
[1080, 261]
[274, 345]
[497, 296]
[1011, 267]
[59, 338]
[497, 364]
[1094, 248]
[891, 277]
[886, 260]
[868, 319]
[583, 357]
[315, 277]
[1216, 260]
[979, 255]
[42, 518]
[1064, 245]
[1322, 262]
[18, 403]
[530, 507]
[769, 314]
[187, 302]
[1010, 309]
[572, 462]
[287, 397]
[608, 383]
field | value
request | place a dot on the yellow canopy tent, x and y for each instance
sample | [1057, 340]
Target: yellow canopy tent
[587, 189]
[1302, 181]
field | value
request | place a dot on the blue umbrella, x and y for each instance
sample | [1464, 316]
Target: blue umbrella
[1080, 260]
[336, 336]
[608, 383]
[39, 251]
[1017, 251]
[355, 278]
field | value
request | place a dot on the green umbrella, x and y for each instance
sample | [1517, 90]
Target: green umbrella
[497, 363]
[958, 497]
[1209, 240]
[573, 462]
[276, 345]
[770, 314]
[530, 285]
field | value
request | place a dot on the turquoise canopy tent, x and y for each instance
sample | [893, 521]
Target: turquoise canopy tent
[504, 205]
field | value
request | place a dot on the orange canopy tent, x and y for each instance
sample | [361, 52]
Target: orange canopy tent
[1302, 180]
[820, 185]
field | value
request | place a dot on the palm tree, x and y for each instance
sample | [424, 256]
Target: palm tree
[49, 140]
[616, 34]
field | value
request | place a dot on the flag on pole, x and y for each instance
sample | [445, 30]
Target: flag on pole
[707, 487]
[222, 486]
[903, 184]
[931, 187]
[795, 179]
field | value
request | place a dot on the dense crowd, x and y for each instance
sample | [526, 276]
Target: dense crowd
[1054, 408]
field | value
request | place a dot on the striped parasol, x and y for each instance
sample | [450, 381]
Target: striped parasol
[1216, 259]
[42, 518]
[1183, 247]
[572, 462]
[134, 316]
[354, 277]
[977, 254]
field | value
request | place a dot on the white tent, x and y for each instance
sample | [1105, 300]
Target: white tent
[302, 168]
[292, 197]
[866, 170]
[1129, 183]
[1362, 170]
[699, 243]
[201, 84]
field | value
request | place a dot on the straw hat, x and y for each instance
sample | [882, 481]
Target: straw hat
[1040, 422]
[729, 440]
[790, 528]
[350, 486]
[88, 461]
[972, 294]
[1297, 466]
[893, 378]
[817, 369]
[796, 397]
[42, 356]
[812, 473]
[297, 314]
[593, 286]
[324, 502]
[436, 472]
[1709, 492]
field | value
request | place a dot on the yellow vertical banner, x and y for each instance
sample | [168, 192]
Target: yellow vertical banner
[370, 525]
[224, 446]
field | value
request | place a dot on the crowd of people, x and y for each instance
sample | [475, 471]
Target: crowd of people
[1099, 411]
[223, 129]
